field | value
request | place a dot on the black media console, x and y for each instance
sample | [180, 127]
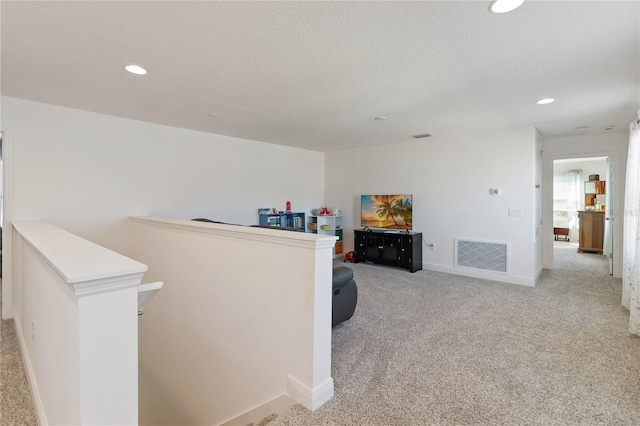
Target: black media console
[395, 249]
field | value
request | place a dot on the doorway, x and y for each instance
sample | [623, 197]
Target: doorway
[582, 194]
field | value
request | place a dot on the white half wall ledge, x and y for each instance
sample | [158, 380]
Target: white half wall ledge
[252, 233]
[310, 398]
[67, 289]
[74, 259]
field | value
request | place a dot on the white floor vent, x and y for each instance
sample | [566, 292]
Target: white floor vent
[488, 255]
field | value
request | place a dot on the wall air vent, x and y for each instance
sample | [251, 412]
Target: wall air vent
[488, 255]
[424, 135]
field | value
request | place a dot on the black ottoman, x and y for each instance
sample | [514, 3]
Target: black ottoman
[345, 295]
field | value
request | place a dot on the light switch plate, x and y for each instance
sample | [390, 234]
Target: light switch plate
[515, 212]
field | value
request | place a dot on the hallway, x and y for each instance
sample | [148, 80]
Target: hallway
[566, 258]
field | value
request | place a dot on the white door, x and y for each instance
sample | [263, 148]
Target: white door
[607, 249]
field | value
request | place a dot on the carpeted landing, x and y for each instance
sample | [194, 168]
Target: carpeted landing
[437, 349]
[16, 404]
[433, 348]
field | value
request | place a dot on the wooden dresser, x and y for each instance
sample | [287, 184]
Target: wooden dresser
[591, 231]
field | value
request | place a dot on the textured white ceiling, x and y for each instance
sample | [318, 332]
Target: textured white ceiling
[315, 74]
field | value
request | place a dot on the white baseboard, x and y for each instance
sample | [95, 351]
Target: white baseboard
[310, 398]
[276, 406]
[471, 272]
[31, 378]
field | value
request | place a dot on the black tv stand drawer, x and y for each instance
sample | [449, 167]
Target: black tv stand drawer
[395, 249]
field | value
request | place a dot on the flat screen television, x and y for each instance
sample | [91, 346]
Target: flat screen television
[386, 211]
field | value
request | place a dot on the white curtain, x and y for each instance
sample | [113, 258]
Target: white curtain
[631, 237]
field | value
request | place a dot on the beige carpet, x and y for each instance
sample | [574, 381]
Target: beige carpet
[437, 349]
[16, 404]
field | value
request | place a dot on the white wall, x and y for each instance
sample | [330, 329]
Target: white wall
[449, 178]
[605, 144]
[87, 173]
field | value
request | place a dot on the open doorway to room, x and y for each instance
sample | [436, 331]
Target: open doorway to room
[581, 197]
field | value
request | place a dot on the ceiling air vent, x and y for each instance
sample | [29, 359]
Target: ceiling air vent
[424, 135]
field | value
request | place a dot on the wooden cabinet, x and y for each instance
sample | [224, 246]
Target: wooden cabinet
[395, 249]
[591, 231]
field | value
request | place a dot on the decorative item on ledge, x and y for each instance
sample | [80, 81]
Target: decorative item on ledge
[326, 211]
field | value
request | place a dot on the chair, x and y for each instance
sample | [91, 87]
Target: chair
[345, 295]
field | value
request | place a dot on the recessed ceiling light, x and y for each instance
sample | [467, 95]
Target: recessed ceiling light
[581, 127]
[135, 69]
[213, 114]
[608, 127]
[503, 6]
[424, 135]
[545, 101]
[379, 118]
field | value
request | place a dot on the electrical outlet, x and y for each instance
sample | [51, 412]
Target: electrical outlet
[431, 246]
[33, 329]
